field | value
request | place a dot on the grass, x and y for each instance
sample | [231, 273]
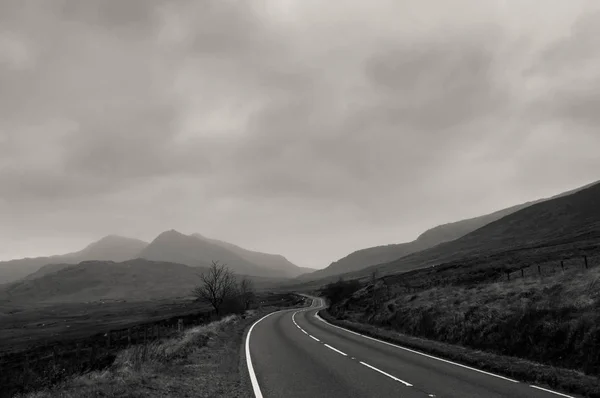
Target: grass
[203, 362]
[552, 320]
[23, 327]
[29, 367]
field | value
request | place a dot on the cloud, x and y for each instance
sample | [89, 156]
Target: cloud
[288, 125]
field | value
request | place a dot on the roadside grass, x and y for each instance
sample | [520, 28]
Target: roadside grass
[203, 361]
[541, 329]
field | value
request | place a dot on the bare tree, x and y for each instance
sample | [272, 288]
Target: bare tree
[216, 285]
[246, 291]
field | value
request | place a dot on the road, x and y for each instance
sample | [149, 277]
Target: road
[295, 353]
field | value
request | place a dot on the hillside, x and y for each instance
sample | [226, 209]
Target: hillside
[570, 222]
[274, 262]
[110, 248]
[368, 257]
[176, 247]
[94, 280]
[364, 258]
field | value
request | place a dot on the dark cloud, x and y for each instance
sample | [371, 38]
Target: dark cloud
[285, 125]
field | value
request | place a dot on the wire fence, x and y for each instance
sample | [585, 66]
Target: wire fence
[552, 268]
[393, 285]
[45, 365]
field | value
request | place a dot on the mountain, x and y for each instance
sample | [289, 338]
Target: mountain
[113, 248]
[176, 247]
[569, 221]
[364, 258]
[94, 280]
[109, 248]
[274, 262]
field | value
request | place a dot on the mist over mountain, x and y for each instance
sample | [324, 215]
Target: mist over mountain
[137, 279]
[110, 248]
[190, 250]
[275, 262]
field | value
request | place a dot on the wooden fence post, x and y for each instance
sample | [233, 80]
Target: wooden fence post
[562, 265]
[522, 273]
[128, 336]
[540, 269]
[93, 354]
[180, 325]
[585, 261]
[508, 275]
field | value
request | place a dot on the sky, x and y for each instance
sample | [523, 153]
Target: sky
[301, 127]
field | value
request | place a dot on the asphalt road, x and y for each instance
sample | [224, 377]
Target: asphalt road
[295, 353]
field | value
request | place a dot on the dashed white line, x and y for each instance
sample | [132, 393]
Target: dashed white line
[336, 350]
[386, 374]
[314, 338]
[416, 352]
[552, 392]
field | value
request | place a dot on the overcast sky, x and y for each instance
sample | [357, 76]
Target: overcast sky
[307, 128]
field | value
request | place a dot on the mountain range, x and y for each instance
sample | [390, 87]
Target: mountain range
[170, 246]
[110, 248]
[117, 267]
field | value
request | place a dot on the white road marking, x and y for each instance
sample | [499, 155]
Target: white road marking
[314, 338]
[336, 350]
[387, 374]
[253, 380]
[416, 352]
[552, 392]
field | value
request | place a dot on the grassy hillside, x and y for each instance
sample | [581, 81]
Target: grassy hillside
[110, 248]
[90, 281]
[567, 224]
[551, 319]
[364, 258]
[361, 259]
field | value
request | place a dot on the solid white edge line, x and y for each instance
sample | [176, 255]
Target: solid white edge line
[552, 392]
[253, 379]
[314, 338]
[386, 374]
[336, 350]
[416, 352]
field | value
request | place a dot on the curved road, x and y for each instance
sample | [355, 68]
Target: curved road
[295, 353]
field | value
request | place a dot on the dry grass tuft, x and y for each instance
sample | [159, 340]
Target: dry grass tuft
[174, 366]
